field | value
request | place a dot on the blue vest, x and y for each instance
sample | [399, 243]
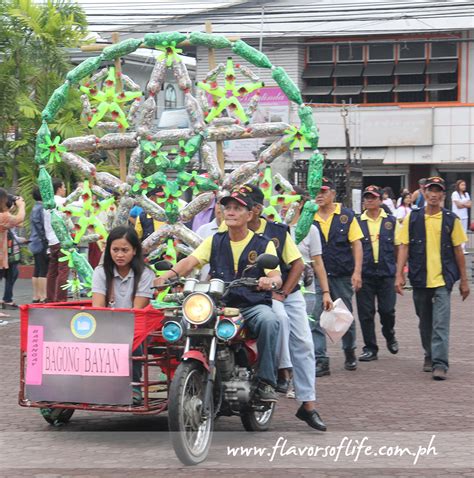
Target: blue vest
[277, 233]
[337, 251]
[417, 249]
[148, 225]
[386, 266]
[222, 267]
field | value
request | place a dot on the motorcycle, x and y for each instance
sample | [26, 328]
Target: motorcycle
[217, 373]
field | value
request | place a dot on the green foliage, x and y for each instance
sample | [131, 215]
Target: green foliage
[33, 38]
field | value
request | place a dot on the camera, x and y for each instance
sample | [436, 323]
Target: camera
[11, 201]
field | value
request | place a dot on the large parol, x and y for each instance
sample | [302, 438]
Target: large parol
[123, 119]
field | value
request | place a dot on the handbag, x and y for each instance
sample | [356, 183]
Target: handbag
[14, 254]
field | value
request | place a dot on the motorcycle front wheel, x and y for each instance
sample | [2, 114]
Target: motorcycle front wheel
[257, 420]
[191, 433]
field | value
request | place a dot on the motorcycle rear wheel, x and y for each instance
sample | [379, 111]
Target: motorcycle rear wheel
[191, 434]
[255, 421]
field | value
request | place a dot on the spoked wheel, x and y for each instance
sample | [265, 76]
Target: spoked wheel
[258, 420]
[191, 433]
[57, 416]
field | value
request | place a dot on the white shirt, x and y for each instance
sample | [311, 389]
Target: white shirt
[464, 198]
[48, 229]
[402, 212]
[204, 232]
[309, 247]
[389, 203]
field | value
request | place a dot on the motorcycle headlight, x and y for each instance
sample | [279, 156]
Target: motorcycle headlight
[198, 308]
[172, 331]
[226, 329]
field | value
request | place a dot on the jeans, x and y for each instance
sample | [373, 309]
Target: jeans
[11, 275]
[433, 308]
[339, 287]
[262, 323]
[137, 365]
[293, 311]
[382, 289]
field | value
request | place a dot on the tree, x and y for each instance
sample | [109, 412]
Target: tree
[33, 62]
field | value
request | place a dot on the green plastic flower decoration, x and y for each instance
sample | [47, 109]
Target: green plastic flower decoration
[182, 157]
[155, 154]
[52, 149]
[170, 52]
[75, 286]
[296, 136]
[67, 257]
[110, 101]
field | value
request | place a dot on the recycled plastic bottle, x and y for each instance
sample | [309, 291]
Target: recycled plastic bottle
[121, 49]
[84, 69]
[82, 267]
[211, 41]
[193, 144]
[57, 101]
[315, 173]
[287, 85]
[251, 54]
[61, 231]
[45, 185]
[305, 221]
[41, 135]
[163, 39]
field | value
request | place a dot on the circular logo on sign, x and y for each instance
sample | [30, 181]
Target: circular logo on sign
[388, 226]
[276, 242]
[252, 257]
[83, 325]
[344, 219]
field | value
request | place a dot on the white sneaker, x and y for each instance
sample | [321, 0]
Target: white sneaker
[3, 322]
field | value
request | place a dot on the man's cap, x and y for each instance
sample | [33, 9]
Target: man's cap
[374, 190]
[326, 184]
[255, 193]
[241, 197]
[435, 181]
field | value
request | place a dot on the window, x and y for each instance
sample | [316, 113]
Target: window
[320, 54]
[170, 97]
[400, 71]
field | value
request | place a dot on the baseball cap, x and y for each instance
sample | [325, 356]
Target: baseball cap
[327, 184]
[435, 181]
[374, 190]
[255, 193]
[241, 197]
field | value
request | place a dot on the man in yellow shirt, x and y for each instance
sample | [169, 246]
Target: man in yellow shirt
[228, 254]
[342, 256]
[431, 239]
[378, 274]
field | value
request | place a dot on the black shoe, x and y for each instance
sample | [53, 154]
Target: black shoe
[439, 373]
[351, 361]
[427, 365]
[282, 385]
[266, 393]
[367, 356]
[393, 346]
[322, 368]
[312, 418]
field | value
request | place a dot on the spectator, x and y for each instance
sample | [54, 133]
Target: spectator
[203, 217]
[418, 197]
[11, 276]
[7, 222]
[145, 225]
[134, 213]
[405, 207]
[387, 199]
[399, 200]
[58, 272]
[38, 247]
[461, 203]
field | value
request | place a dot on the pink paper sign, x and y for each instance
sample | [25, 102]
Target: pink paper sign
[34, 362]
[86, 359]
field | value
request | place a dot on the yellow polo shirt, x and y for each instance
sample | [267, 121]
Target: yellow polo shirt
[355, 232]
[434, 269]
[203, 252]
[290, 249]
[139, 227]
[374, 231]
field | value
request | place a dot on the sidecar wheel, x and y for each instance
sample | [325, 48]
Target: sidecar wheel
[191, 434]
[57, 416]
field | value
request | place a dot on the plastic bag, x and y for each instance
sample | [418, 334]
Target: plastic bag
[336, 322]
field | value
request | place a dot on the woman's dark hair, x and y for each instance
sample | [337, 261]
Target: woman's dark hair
[458, 184]
[57, 183]
[404, 195]
[389, 191]
[3, 199]
[37, 194]
[137, 264]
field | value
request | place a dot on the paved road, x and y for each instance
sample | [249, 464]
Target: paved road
[384, 403]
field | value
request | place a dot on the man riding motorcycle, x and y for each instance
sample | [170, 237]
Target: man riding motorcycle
[229, 253]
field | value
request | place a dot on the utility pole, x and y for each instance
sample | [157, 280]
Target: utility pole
[347, 165]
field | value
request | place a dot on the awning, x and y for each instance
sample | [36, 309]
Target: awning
[379, 69]
[347, 90]
[441, 86]
[377, 89]
[317, 90]
[410, 68]
[408, 88]
[318, 71]
[442, 67]
[345, 70]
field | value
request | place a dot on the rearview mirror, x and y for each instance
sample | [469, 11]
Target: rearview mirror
[163, 266]
[267, 261]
